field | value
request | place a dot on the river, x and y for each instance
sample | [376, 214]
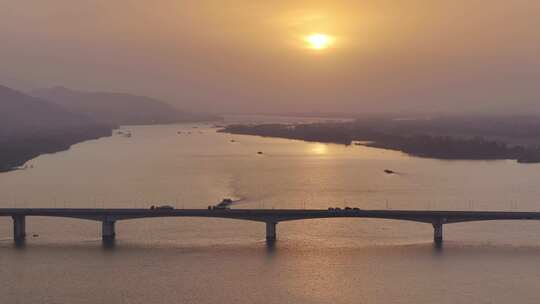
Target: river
[191, 260]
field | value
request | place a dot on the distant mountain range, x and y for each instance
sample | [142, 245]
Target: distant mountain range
[31, 126]
[20, 112]
[118, 108]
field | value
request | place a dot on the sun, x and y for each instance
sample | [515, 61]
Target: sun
[318, 41]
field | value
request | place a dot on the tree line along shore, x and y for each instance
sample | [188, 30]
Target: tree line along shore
[422, 145]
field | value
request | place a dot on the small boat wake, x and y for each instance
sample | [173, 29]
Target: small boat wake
[392, 172]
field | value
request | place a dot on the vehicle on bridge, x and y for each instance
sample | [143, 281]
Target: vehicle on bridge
[346, 209]
[224, 204]
[162, 207]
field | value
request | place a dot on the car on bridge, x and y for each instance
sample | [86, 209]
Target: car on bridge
[162, 207]
[346, 209]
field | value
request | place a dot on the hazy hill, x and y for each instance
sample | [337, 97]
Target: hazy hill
[118, 108]
[30, 126]
[20, 111]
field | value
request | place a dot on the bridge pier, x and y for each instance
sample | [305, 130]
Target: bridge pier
[19, 227]
[271, 231]
[108, 231]
[438, 233]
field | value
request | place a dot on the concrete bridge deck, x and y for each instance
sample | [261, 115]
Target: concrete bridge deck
[108, 217]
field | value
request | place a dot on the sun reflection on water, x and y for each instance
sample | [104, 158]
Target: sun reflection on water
[320, 149]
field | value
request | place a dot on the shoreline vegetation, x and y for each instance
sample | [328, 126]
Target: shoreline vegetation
[438, 146]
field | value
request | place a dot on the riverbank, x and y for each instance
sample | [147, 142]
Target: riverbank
[17, 150]
[420, 145]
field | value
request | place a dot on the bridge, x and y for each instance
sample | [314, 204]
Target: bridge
[271, 217]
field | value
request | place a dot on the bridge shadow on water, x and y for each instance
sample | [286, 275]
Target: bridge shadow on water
[108, 244]
[19, 244]
[274, 249]
[271, 247]
[438, 247]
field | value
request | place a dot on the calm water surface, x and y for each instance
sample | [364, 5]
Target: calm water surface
[190, 260]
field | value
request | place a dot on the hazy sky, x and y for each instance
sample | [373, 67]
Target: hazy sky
[250, 56]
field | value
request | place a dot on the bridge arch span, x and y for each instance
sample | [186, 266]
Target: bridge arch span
[270, 217]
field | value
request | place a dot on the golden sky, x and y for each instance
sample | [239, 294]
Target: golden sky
[252, 55]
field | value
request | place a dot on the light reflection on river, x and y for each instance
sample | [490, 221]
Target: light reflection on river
[216, 260]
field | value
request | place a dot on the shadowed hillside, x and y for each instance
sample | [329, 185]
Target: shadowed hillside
[31, 126]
